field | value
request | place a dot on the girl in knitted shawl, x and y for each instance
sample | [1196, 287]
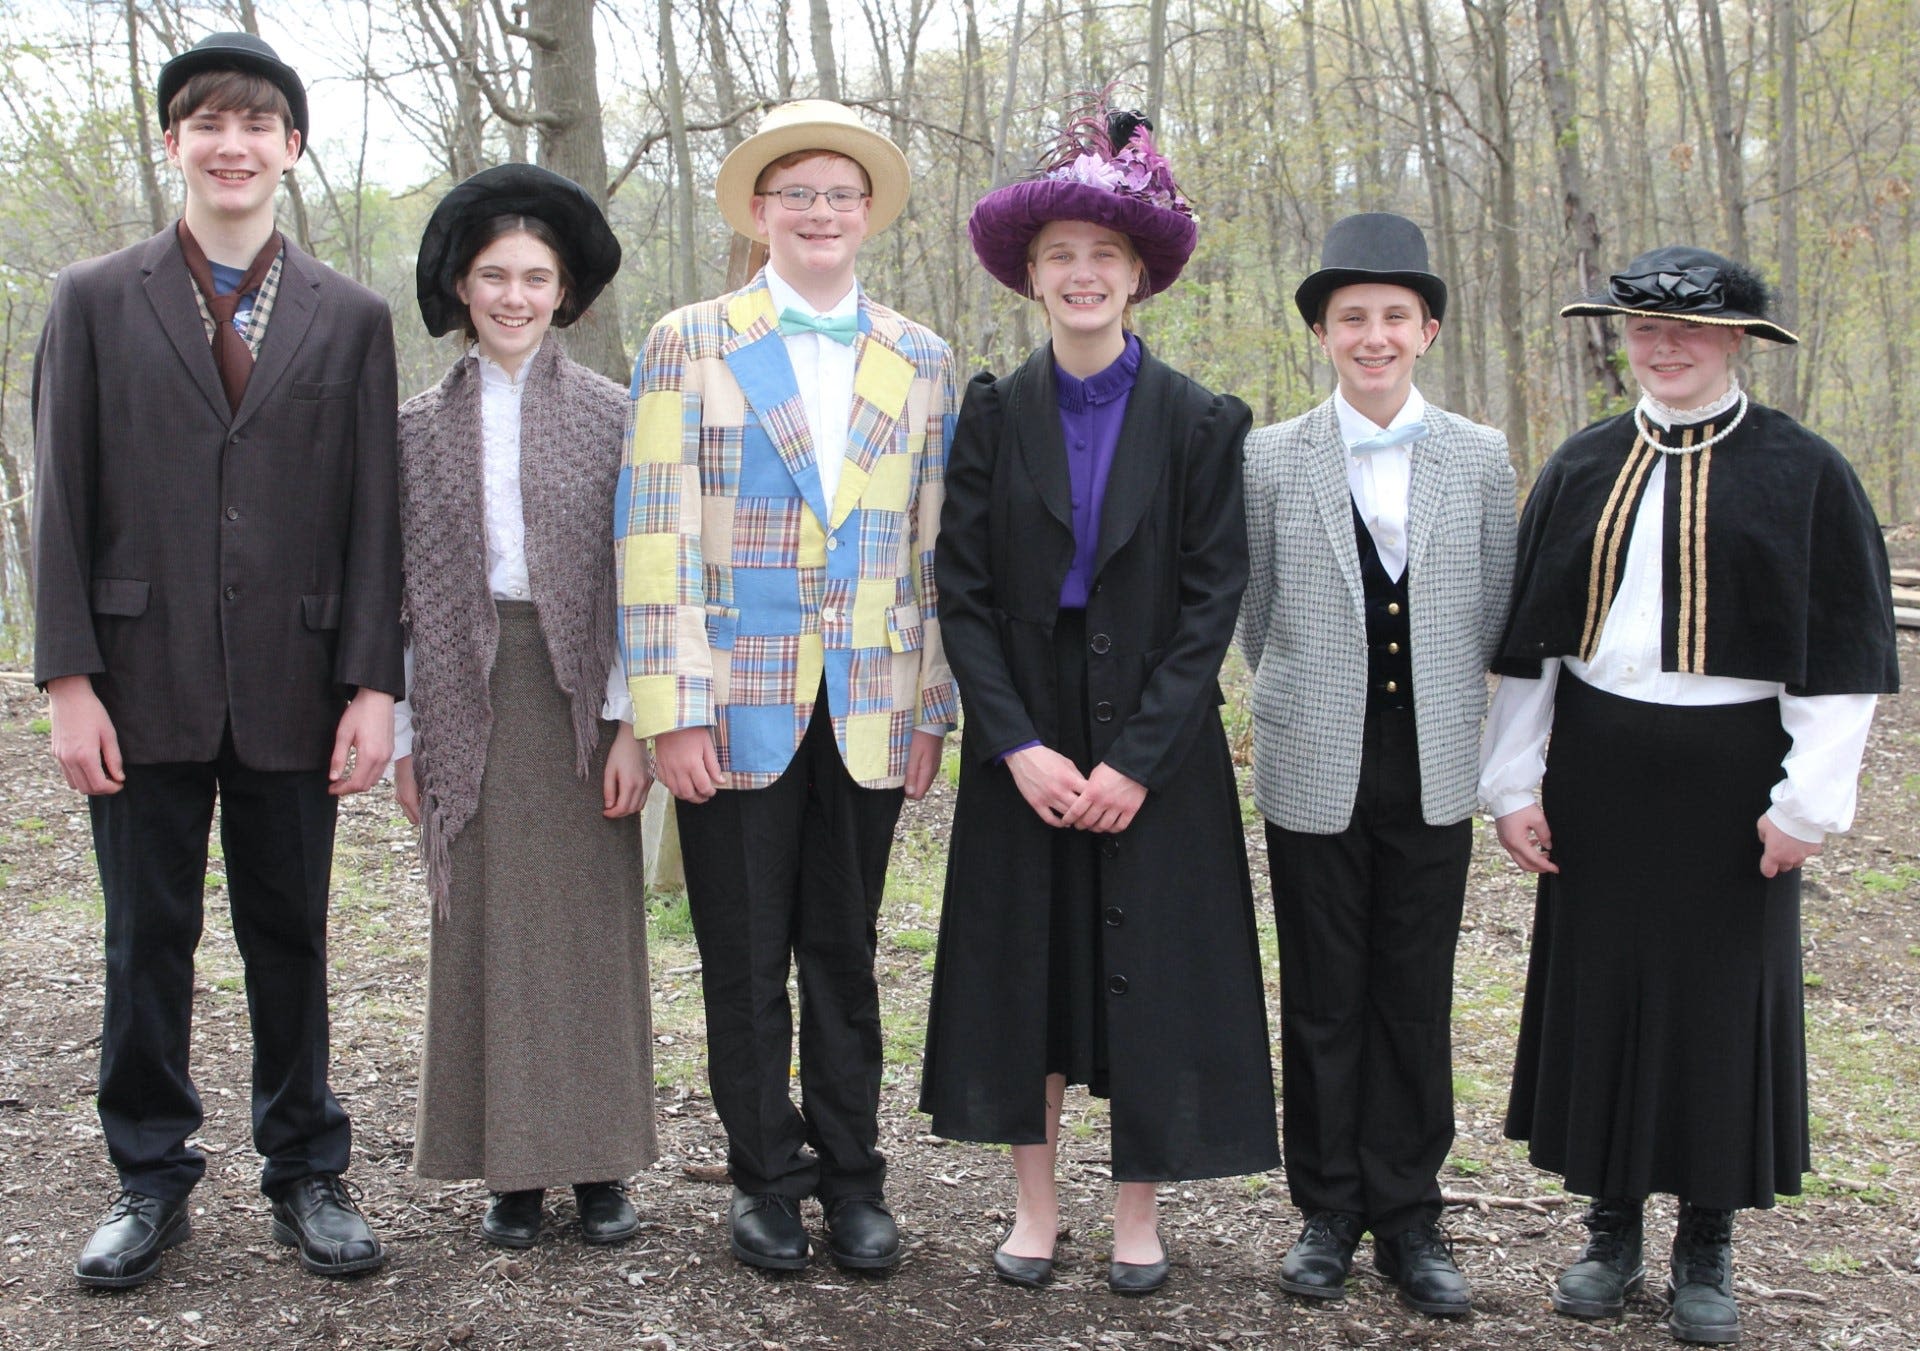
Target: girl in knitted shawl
[514, 751]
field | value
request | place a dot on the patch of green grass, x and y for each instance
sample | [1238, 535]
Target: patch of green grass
[41, 727]
[670, 917]
[229, 984]
[1470, 1087]
[1466, 1167]
[917, 940]
[1834, 1262]
[1902, 877]
[1255, 1185]
[1813, 980]
[92, 906]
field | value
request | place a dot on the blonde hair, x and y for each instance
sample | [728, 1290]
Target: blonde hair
[1133, 255]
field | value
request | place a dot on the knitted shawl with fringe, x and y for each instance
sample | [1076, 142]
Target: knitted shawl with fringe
[572, 424]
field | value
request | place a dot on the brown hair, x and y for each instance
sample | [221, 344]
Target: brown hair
[793, 157]
[229, 91]
[499, 227]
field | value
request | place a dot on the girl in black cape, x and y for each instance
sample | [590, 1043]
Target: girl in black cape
[1702, 621]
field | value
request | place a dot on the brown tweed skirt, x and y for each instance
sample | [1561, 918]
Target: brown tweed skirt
[537, 1064]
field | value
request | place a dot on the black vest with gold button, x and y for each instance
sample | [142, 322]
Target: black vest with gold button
[1389, 637]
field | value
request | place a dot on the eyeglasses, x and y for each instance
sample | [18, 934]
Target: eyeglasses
[798, 198]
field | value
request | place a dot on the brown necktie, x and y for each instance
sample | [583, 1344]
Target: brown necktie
[230, 352]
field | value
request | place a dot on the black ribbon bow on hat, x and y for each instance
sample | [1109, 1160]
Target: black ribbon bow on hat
[1696, 290]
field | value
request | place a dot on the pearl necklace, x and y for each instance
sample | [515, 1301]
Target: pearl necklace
[1646, 433]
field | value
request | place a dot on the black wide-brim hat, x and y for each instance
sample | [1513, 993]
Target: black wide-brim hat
[233, 51]
[1683, 282]
[1372, 247]
[587, 245]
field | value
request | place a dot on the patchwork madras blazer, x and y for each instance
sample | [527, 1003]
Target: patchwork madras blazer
[742, 589]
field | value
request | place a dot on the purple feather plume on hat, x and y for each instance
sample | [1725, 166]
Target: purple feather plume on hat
[1081, 176]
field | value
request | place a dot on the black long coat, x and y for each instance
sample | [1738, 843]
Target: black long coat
[1190, 1069]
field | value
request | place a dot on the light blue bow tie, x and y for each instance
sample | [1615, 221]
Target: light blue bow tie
[1387, 440]
[839, 327]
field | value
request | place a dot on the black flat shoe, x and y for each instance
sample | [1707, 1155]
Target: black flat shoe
[766, 1231]
[1138, 1278]
[513, 1219]
[1420, 1262]
[606, 1216]
[125, 1250]
[861, 1233]
[317, 1216]
[1027, 1272]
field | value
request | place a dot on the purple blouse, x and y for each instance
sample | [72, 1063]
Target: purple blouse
[1091, 412]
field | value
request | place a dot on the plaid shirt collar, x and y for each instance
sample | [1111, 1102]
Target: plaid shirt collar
[262, 306]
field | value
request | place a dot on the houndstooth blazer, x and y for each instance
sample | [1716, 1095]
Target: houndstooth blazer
[1303, 619]
[743, 590]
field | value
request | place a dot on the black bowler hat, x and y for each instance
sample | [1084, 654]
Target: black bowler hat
[1682, 282]
[233, 51]
[587, 245]
[1374, 246]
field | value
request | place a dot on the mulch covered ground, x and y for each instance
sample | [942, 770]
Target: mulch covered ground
[1839, 1267]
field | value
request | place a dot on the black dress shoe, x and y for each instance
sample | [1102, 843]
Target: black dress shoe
[1702, 1281]
[606, 1216]
[513, 1219]
[1609, 1268]
[317, 1216]
[861, 1234]
[1028, 1272]
[1420, 1261]
[1138, 1278]
[125, 1250]
[767, 1231]
[1317, 1264]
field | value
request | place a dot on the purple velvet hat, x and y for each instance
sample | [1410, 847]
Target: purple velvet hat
[1084, 178]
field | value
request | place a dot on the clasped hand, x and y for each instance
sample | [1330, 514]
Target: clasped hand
[1103, 802]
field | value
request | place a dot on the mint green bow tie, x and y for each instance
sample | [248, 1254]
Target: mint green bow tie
[840, 328]
[1399, 436]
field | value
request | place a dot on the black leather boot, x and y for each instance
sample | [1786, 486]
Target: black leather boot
[1702, 1281]
[1609, 1268]
[1317, 1264]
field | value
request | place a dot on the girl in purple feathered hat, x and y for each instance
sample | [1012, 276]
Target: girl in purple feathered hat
[1098, 926]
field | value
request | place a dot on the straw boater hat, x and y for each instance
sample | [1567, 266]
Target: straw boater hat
[1128, 189]
[812, 124]
[1374, 246]
[233, 51]
[1682, 282]
[592, 254]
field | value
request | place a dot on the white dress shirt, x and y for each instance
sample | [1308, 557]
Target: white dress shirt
[1380, 479]
[823, 370]
[506, 530]
[1828, 731]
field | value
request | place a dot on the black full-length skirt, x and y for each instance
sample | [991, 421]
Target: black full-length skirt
[1662, 1038]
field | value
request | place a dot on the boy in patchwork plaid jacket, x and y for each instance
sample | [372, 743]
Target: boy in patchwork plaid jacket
[774, 527]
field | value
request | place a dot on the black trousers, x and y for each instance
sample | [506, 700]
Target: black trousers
[150, 839]
[1368, 919]
[785, 876]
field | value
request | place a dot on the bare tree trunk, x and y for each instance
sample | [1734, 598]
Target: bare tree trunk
[725, 97]
[684, 281]
[566, 101]
[1726, 132]
[1497, 112]
[1550, 20]
[1786, 39]
[1156, 59]
[824, 66]
[1454, 355]
[149, 180]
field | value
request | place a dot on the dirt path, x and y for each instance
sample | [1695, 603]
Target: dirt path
[1838, 1268]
